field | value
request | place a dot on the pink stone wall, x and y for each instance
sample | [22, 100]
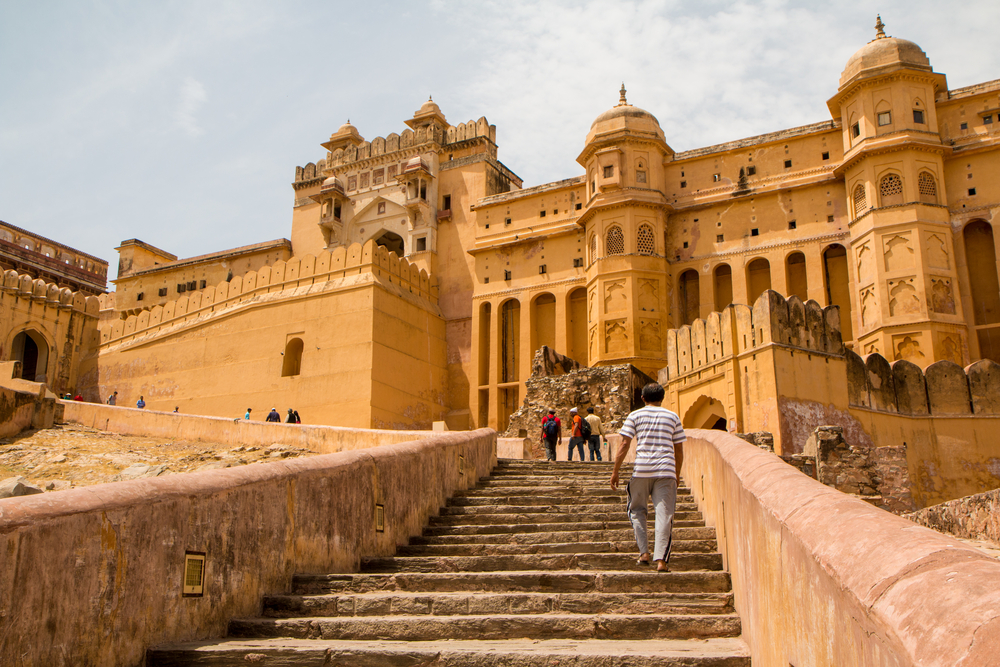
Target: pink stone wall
[824, 578]
[92, 576]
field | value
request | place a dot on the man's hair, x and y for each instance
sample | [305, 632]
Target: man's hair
[653, 393]
[590, 409]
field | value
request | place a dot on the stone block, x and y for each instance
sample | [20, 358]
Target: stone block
[14, 487]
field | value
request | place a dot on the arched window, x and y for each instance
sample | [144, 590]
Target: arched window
[723, 286]
[838, 289]
[758, 278]
[927, 186]
[615, 242]
[645, 241]
[689, 296]
[860, 200]
[890, 190]
[795, 276]
[593, 248]
[292, 363]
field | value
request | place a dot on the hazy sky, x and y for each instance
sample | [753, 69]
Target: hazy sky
[181, 123]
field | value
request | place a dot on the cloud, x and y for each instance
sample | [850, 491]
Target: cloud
[192, 97]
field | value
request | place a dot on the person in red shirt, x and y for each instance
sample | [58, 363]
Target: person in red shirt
[576, 438]
[551, 434]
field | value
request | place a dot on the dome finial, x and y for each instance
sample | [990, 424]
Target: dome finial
[430, 98]
[621, 96]
[879, 27]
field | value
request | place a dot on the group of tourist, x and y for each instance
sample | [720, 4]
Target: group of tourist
[659, 454]
[274, 417]
[587, 429]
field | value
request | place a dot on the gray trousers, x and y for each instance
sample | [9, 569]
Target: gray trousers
[664, 492]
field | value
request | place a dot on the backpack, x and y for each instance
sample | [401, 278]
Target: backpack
[550, 428]
[584, 429]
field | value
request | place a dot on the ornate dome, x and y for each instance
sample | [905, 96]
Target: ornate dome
[624, 116]
[430, 106]
[883, 52]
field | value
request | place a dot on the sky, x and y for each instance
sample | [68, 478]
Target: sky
[181, 123]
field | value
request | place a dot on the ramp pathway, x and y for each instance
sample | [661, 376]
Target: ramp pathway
[536, 566]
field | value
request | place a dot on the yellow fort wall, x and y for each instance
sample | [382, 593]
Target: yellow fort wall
[365, 320]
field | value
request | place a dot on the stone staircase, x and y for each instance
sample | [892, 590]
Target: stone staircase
[536, 566]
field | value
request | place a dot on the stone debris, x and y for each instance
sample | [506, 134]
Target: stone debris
[137, 470]
[17, 486]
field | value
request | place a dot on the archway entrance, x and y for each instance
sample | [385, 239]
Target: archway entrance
[31, 350]
[706, 412]
[392, 242]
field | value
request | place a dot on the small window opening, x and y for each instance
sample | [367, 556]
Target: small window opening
[829, 218]
[181, 288]
[609, 171]
[194, 574]
[826, 156]
[422, 244]
[719, 238]
[579, 206]
[856, 130]
[578, 262]
[423, 191]
[685, 244]
[788, 164]
[754, 232]
[542, 269]
[381, 207]
[964, 126]
[506, 275]
[291, 364]
[791, 224]
[988, 120]
[506, 221]
[542, 214]
[716, 178]
[203, 284]
[163, 291]
[138, 297]
[918, 116]
[336, 211]
[751, 170]
[684, 184]
[447, 203]
[885, 118]
[486, 279]
[972, 191]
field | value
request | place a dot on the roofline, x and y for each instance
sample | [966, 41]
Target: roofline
[45, 238]
[242, 250]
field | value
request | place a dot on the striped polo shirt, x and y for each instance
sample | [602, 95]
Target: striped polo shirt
[655, 432]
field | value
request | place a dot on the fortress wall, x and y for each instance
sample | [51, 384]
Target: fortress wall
[198, 428]
[817, 597]
[287, 277]
[974, 517]
[61, 322]
[95, 573]
[352, 333]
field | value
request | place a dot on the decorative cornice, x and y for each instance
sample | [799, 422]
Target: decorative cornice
[540, 288]
[851, 223]
[761, 248]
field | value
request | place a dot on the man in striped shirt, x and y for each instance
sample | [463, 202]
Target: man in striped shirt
[659, 454]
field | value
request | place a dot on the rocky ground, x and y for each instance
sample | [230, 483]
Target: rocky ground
[67, 456]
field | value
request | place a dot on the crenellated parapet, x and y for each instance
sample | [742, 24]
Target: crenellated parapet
[942, 389]
[404, 142]
[49, 295]
[773, 320]
[282, 276]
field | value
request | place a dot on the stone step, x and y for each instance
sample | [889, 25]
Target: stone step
[617, 514]
[532, 464]
[464, 603]
[688, 512]
[642, 580]
[711, 652]
[616, 535]
[680, 562]
[470, 527]
[610, 498]
[551, 491]
[493, 627]
[626, 546]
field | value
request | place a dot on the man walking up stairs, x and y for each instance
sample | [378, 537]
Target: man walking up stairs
[536, 566]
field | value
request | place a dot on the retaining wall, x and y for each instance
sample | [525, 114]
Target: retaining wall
[92, 576]
[823, 578]
[197, 428]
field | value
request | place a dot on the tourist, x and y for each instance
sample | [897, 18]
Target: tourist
[596, 433]
[659, 455]
[141, 403]
[298, 420]
[551, 433]
[290, 419]
[177, 408]
[247, 415]
[78, 397]
[273, 416]
[576, 438]
[113, 398]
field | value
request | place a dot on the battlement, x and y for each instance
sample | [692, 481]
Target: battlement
[943, 389]
[773, 320]
[398, 142]
[49, 295]
[281, 276]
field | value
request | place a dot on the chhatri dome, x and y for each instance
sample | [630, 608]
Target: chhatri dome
[624, 117]
[882, 53]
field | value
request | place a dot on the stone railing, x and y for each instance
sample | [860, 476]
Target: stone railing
[823, 578]
[93, 576]
[278, 277]
[942, 389]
